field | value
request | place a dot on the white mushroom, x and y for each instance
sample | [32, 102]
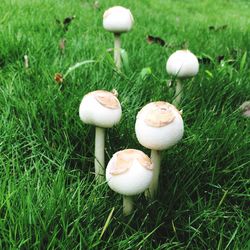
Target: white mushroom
[118, 20]
[182, 64]
[129, 172]
[159, 126]
[102, 109]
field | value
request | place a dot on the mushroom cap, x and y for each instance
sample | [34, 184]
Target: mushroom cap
[100, 108]
[118, 19]
[182, 64]
[159, 125]
[129, 172]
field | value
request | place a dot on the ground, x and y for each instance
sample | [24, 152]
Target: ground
[48, 195]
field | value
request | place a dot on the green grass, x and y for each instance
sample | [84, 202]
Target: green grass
[48, 196]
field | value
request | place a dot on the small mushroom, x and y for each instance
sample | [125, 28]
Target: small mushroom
[129, 172]
[182, 64]
[158, 126]
[118, 20]
[102, 109]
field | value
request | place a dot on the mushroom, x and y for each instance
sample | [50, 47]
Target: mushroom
[118, 20]
[129, 172]
[182, 64]
[158, 126]
[102, 109]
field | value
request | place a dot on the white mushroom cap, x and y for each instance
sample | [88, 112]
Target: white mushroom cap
[182, 63]
[118, 19]
[129, 172]
[159, 125]
[100, 108]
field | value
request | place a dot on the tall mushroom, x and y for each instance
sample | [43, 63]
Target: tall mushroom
[118, 20]
[158, 126]
[129, 172]
[102, 109]
[181, 64]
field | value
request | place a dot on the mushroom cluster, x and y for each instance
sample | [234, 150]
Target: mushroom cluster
[159, 125]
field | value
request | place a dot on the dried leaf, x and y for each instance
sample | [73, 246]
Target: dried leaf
[157, 40]
[58, 78]
[68, 20]
[220, 58]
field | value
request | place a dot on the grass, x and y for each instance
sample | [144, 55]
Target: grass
[48, 197]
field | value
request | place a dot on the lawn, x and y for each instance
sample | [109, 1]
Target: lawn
[48, 195]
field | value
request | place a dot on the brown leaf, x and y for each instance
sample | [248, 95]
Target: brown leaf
[220, 58]
[68, 20]
[58, 78]
[157, 40]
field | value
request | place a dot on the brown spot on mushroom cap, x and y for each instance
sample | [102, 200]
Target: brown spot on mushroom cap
[106, 99]
[124, 160]
[160, 114]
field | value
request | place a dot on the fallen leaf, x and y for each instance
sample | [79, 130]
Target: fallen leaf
[220, 58]
[68, 20]
[156, 39]
[58, 78]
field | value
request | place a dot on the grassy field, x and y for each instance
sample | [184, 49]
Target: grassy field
[48, 196]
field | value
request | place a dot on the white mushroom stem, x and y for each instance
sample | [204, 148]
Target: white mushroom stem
[178, 93]
[117, 51]
[99, 154]
[156, 161]
[128, 205]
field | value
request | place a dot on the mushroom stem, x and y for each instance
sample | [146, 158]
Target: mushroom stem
[117, 51]
[178, 93]
[128, 205]
[156, 161]
[99, 154]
